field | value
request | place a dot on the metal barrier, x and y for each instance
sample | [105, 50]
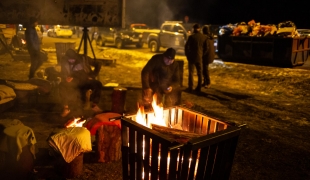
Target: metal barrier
[274, 51]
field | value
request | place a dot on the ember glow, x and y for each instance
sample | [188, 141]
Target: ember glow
[76, 122]
[153, 118]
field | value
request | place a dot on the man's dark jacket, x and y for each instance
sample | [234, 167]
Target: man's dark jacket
[195, 47]
[156, 74]
[32, 39]
[209, 56]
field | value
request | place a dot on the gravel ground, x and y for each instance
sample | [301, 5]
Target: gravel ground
[272, 102]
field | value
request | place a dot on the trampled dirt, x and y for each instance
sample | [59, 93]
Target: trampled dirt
[272, 102]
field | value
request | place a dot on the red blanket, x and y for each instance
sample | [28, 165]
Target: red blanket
[102, 119]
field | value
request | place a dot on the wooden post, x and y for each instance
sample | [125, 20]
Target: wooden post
[118, 100]
[75, 167]
[72, 169]
[108, 143]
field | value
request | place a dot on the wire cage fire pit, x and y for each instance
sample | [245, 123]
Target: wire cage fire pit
[149, 154]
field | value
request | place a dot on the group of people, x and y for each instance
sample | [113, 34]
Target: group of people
[199, 50]
[160, 76]
[77, 75]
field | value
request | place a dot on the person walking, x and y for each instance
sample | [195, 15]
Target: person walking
[77, 79]
[161, 76]
[195, 48]
[208, 58]
[34, 46]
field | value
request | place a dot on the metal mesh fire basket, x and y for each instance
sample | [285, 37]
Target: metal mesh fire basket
[149, 154]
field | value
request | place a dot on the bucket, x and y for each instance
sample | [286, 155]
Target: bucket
[61, 48]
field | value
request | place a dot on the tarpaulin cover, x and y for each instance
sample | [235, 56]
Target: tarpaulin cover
[70, 142]
[6, 94]
[17, 136]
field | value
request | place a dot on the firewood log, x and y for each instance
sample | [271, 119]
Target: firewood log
[108, 142]
[75, 168]
[176, 134]
[118, 100]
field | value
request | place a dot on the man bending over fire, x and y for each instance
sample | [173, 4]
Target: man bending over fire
[77, 79]
[160, 76]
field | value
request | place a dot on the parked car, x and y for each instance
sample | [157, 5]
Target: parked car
[142, 28]
[171, 34]
[118, 37]
[60, 31]
[139, 27]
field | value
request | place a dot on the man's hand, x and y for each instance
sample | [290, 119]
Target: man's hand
[69, 79]
[147, 95]
[168, 90]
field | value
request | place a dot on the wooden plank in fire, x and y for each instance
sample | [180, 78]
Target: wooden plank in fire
[146, 131]
[173, 115]
[166, 116]
[204, 115]
[176, 134]
[198, 124]
[192, 122]
[179, 116]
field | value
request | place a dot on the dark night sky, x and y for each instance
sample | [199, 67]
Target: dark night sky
[154, 12]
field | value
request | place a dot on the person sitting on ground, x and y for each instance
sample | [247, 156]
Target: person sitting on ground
[77, 78]
[161, 76]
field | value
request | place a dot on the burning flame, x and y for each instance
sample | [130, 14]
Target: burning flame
[76, 122]
[23, 41]
[140, 117]
[158, 116]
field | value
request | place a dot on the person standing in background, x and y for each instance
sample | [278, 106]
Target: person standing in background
[208, 58]
[186, 19]
[195, 48]
[33, 46]
[188, 26]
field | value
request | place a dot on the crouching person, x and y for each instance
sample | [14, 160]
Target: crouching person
[77, 78]
[161, 76]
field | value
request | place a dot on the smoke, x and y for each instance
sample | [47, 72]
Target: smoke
[155, 12]
[151, 12]
[165, 13]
